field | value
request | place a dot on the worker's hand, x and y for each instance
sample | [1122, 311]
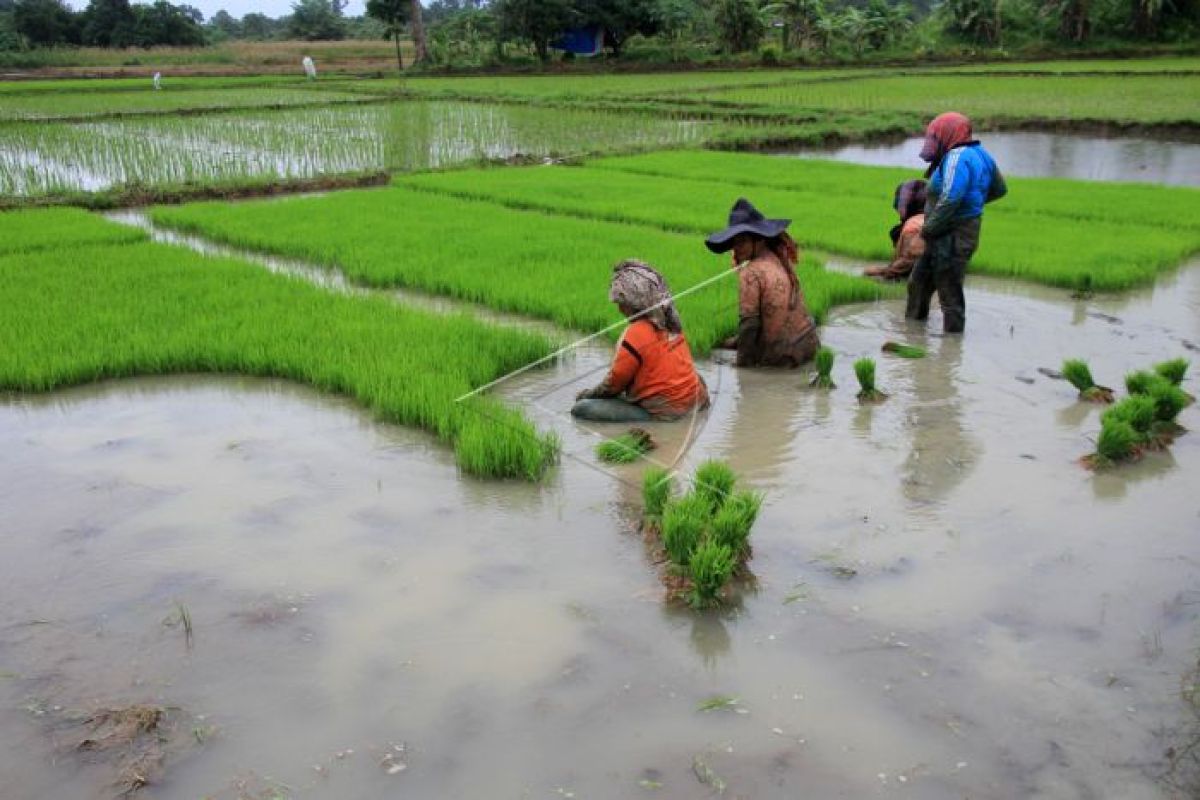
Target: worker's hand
[585, 394]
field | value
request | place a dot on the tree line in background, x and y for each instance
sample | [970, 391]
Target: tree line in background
[479, 33]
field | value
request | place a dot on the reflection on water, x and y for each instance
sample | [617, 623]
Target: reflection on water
[1052, 155]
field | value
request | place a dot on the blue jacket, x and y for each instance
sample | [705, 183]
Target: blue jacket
[965, 180]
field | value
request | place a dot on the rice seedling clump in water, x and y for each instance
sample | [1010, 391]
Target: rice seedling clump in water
[1137, 411]
[714, 482]
[824, 364]
[626, 448]
[1117, 441]
[903, 350]
[864, 370]
[656, 493]
[711, 566]
[731, 526]
[683, 524]
[1173, 370]
[1079, 375]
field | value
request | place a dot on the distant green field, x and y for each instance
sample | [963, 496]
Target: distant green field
[848, 216]
[48, 105]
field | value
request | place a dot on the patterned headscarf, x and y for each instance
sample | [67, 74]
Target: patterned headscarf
[638, 285]
[910, 199]
[945, 132]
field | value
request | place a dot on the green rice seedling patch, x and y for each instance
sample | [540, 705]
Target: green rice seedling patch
[864, 370]
[1143, 204]
[1044, 248]
[903, 350]
[69, 105]
[1079, 374]
[27, 231]
[1173, 370]
[237, 147]
[657, 489]
[683, 525]
[626, 448]
[714, 482]
[95, 312]
[1141, 99]
[824, 364]
[711, 566]
[551, 267]
[170, 83]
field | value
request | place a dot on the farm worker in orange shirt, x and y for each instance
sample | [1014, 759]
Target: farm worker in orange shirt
[652, 374]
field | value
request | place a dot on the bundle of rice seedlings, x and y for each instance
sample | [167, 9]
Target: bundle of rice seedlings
[904, 350]
[731, 526]
[1117, 442]
[1173, 370]
[864, 369]
[656, 493]
[1168, 398]
[626, 448]
[1139, 382]
[1137, 411]
[824, 364]
[1077, 373]
[683, 524]
[711, 566]
[714, 482]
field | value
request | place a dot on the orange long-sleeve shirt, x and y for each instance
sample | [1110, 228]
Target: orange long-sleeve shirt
[654, 369]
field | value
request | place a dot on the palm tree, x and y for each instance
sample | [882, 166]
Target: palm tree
[421, 51]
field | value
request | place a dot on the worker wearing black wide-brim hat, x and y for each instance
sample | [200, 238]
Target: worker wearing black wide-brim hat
[774, 326]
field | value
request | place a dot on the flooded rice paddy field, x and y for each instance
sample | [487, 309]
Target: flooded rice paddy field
[90, 156]
[1052, 155]
[946, 604]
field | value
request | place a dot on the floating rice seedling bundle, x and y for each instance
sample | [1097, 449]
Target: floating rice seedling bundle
[1174, 370]
[1137, 411]
[824, 363]
[1117, 442]
[1143, 420]
[1079, 375]
[864, 370]
[705, 534]
[1168, 398]
[626, 448]
[89, 313]
[903, 350]
[657, 489]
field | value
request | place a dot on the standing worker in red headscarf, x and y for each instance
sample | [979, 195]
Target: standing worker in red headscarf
[962, 178]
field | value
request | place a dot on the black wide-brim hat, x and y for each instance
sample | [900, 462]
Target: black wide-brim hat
[745, 218]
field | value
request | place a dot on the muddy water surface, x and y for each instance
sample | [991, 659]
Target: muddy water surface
[946, 605]
[1053, 155]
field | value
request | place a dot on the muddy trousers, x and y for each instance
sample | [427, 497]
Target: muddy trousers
[942, 270]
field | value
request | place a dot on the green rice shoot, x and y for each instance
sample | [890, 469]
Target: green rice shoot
[864, 370]
[683, 523]
[710, 567]
[657, 488]
[626, 448]
[824, 363]
[904, 350]
[1078, 374]
[731, 525]
[714, 482]
[1117, 441]
[1174, 370]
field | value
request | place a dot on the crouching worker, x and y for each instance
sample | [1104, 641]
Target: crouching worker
[906, 236]
[652, 374]
[774, 326]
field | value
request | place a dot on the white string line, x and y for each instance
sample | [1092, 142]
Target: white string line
[601, 332]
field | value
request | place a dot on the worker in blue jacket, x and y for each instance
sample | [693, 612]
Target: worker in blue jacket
[962, 178]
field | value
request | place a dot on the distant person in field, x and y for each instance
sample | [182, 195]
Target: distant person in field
[310, 69]
[157, 81]
[907, 242]
[962, 178]
[774, 326]
[652, 375]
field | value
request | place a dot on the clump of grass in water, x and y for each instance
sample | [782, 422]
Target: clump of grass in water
[1168, 398]
[1117, 442]
[824, 364]
[683, 525]
[1079, 375]
[626, 448]
[904, 350]
[656, 493]
[731, 526]
[1173, 370]
[864, 370]
[711, 566]
[714, 482]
